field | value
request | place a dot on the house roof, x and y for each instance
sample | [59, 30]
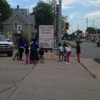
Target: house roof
[21, 13]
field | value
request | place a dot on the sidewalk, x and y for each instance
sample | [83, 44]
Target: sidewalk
[52, 80]
[92, 66]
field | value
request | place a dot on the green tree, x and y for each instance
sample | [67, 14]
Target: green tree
[91, 30]
[78, 31]
[73, 35]
[98, 31]
[43, 14]
[5, 10]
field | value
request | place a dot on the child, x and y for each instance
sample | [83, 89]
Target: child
[16, 52]
[78, 51]
[27, 52]
[68, 50]
[61, 51]
[41, 53]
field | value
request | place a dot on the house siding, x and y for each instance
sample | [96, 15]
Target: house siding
[10, 28]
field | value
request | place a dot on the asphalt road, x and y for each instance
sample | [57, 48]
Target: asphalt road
[88, 50]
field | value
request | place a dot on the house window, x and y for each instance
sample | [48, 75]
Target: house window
[15, 25]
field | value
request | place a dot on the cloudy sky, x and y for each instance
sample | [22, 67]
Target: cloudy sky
[81, 13]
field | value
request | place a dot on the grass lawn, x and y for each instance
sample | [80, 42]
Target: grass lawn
[97, 60]
[73, 46]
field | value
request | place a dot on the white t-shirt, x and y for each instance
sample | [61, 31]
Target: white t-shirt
[67, 49]
[61, 48]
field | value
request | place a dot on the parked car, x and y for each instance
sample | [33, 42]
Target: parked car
[6, 47]
[83, 40]
[98, 43]
[9, 40]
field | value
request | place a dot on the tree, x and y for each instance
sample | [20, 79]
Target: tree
[78, 31]
[5, 10]
[91, 30]
[65, 35]
[98, 31]
[43, 14]
[73, 35]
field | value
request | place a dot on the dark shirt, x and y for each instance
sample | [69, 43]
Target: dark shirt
[78, 50]
[27, 50]
[41, 52]
[21, 43]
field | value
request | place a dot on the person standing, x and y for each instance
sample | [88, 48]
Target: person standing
[33, 51]
[41, 53]
[27, 52]
[78, 51]
[68, 50]
[21, 46]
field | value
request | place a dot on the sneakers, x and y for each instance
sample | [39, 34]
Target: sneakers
[78, 63]
[67, 63]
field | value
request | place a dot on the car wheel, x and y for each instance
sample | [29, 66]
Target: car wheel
[9, 54]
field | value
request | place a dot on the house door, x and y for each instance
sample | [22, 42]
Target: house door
[19, 28]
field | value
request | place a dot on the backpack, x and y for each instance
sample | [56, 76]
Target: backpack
[32, 47]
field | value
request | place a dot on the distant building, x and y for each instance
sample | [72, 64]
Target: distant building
[19, 24]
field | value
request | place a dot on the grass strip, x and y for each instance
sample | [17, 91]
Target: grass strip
[97, 60]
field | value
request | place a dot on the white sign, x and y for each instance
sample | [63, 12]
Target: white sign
[46, 36]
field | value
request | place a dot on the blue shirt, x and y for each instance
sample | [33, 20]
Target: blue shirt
[36, 46]
[21, 43]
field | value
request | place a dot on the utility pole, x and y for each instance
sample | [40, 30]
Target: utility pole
[77, 27]
[93, 23]
[54, 22]
[54, 15]
[87, 22]
[59, 22]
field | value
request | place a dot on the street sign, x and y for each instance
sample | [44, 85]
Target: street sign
[46, 36]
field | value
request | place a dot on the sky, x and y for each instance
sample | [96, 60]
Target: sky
[81, 13]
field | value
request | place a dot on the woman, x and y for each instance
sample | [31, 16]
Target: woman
[21, 46]
[33, 52]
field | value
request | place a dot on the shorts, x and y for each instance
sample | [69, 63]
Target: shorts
[65, 54]
[16, 54]
[61, 53]
[41, 57]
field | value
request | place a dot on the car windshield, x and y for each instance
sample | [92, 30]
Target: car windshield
[2, 38]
